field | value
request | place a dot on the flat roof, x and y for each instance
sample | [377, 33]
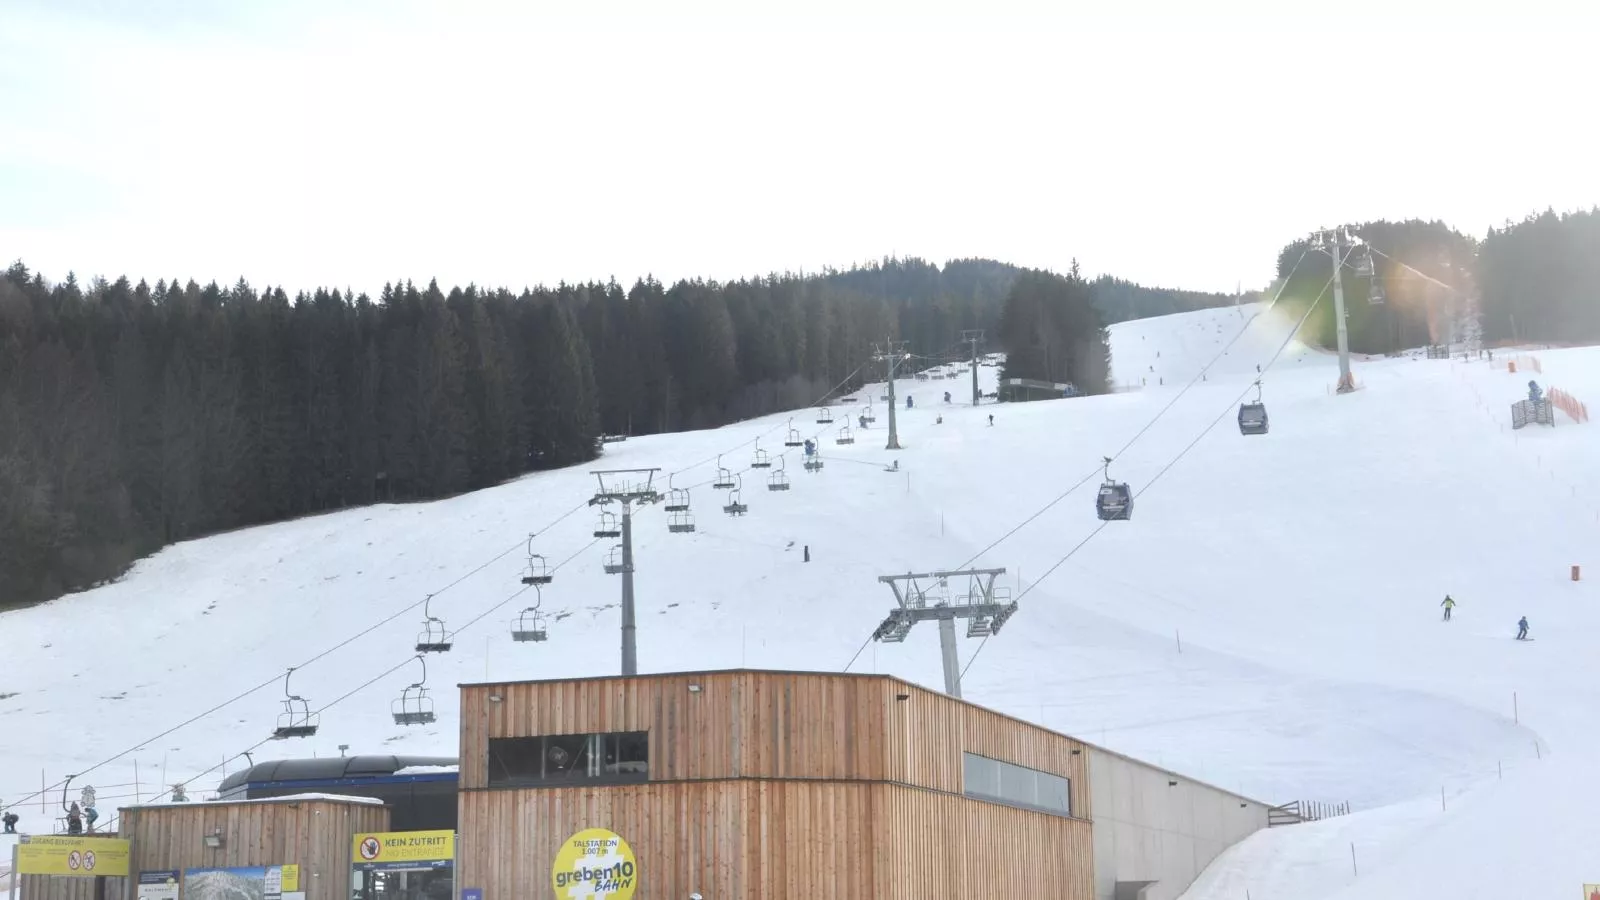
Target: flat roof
[291, 798]
[863, 675]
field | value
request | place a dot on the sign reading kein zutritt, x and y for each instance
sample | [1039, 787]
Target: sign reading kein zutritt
[594, 864]
[403, 850]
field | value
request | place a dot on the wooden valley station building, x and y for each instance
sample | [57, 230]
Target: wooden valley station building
[736, 785]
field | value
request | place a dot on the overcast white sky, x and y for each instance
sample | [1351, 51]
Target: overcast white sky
[307, 142]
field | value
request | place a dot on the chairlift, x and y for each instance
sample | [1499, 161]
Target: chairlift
[609, 527]
[529, 625]
[814, 462]
[433, 637]
[1375, 293]
[824, 415]
[613, 563]
[680, 522]
[1253, 416]
[724, 477]
[413, 706]
[846, 436]
[869, 414]
[677, 498]
[760, 460]
[1115, 500]
[779, 480]
[297, 720]
[734, 507]
[538, 570]
[1364, 265]
[794, 439]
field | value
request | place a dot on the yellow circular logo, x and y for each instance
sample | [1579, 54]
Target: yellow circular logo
[594, 864]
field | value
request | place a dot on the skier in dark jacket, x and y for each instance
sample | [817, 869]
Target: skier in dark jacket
[1522, 628]
[74, 820]
[1534, 393]
[10, 819]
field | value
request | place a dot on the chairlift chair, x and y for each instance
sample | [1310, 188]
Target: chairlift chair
[724, 477]
[846, 436]
[1115, 500]
[538, 570]
[297, 720]
[814, 462]
[1375, 294]
[779, 480]
[528, 626]
[680, 523]
[734, 507]
[794, 439]
[613, 564]
[1253, 416]
[869, 413]
[433, 638]
[677, 500]
[760, 460]
[824, 415]
[609, 527]
[413, 706]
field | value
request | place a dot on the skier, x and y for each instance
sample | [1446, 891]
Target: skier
[1534, 393]
[1448, 605]
[10, 820]
[947, 396]
[1522, 628]
[89, 815]
[74, 819]
[863, 421]
[808, 552]
[908, 401]
[811, 448]
[991, 419]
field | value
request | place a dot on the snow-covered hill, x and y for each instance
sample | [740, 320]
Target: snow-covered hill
[1267, 621]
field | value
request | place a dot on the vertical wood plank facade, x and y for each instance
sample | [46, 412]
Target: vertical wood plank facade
[313, 834]
[769, 785]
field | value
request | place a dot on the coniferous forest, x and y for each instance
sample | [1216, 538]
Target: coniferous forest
[1537, 280]
[134, 415]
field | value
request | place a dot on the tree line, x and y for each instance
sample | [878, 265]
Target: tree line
[1430, 284]
[135, 415]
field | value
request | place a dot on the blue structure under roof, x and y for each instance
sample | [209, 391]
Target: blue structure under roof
[419, 801]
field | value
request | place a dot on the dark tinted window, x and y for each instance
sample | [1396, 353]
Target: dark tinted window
[558, 759]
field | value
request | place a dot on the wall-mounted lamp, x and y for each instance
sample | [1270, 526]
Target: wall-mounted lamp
[214, 839]
[343, 748]
[694, 688]
[1243, 805]
[1077, 753]
[1172, 784]
[902, 696]
[495, 698]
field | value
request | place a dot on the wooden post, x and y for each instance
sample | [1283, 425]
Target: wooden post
[1353, 867]
[1574, 568]
[1442, 807]
[1516, 716]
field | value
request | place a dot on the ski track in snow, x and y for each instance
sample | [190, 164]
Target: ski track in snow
[1302, 570]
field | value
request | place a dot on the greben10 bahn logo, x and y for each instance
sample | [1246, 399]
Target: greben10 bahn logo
[594, 864]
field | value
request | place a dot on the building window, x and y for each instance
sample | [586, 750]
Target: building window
[1014, 785]
[553, 760]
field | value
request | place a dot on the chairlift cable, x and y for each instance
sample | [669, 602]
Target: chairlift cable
[279, 678]
[1164, 469]
[1151, 424]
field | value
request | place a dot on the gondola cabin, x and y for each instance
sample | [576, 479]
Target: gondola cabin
[1252, 418]
[1115, 501]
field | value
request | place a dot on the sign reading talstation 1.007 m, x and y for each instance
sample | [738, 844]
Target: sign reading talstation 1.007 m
[403, 850]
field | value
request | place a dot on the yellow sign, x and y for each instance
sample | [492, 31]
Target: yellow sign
[46, 854]
[289, 881]
[594, 864]
[402, 849]
[1591, 892]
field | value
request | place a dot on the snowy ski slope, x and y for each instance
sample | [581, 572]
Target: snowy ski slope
[1268, 620]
